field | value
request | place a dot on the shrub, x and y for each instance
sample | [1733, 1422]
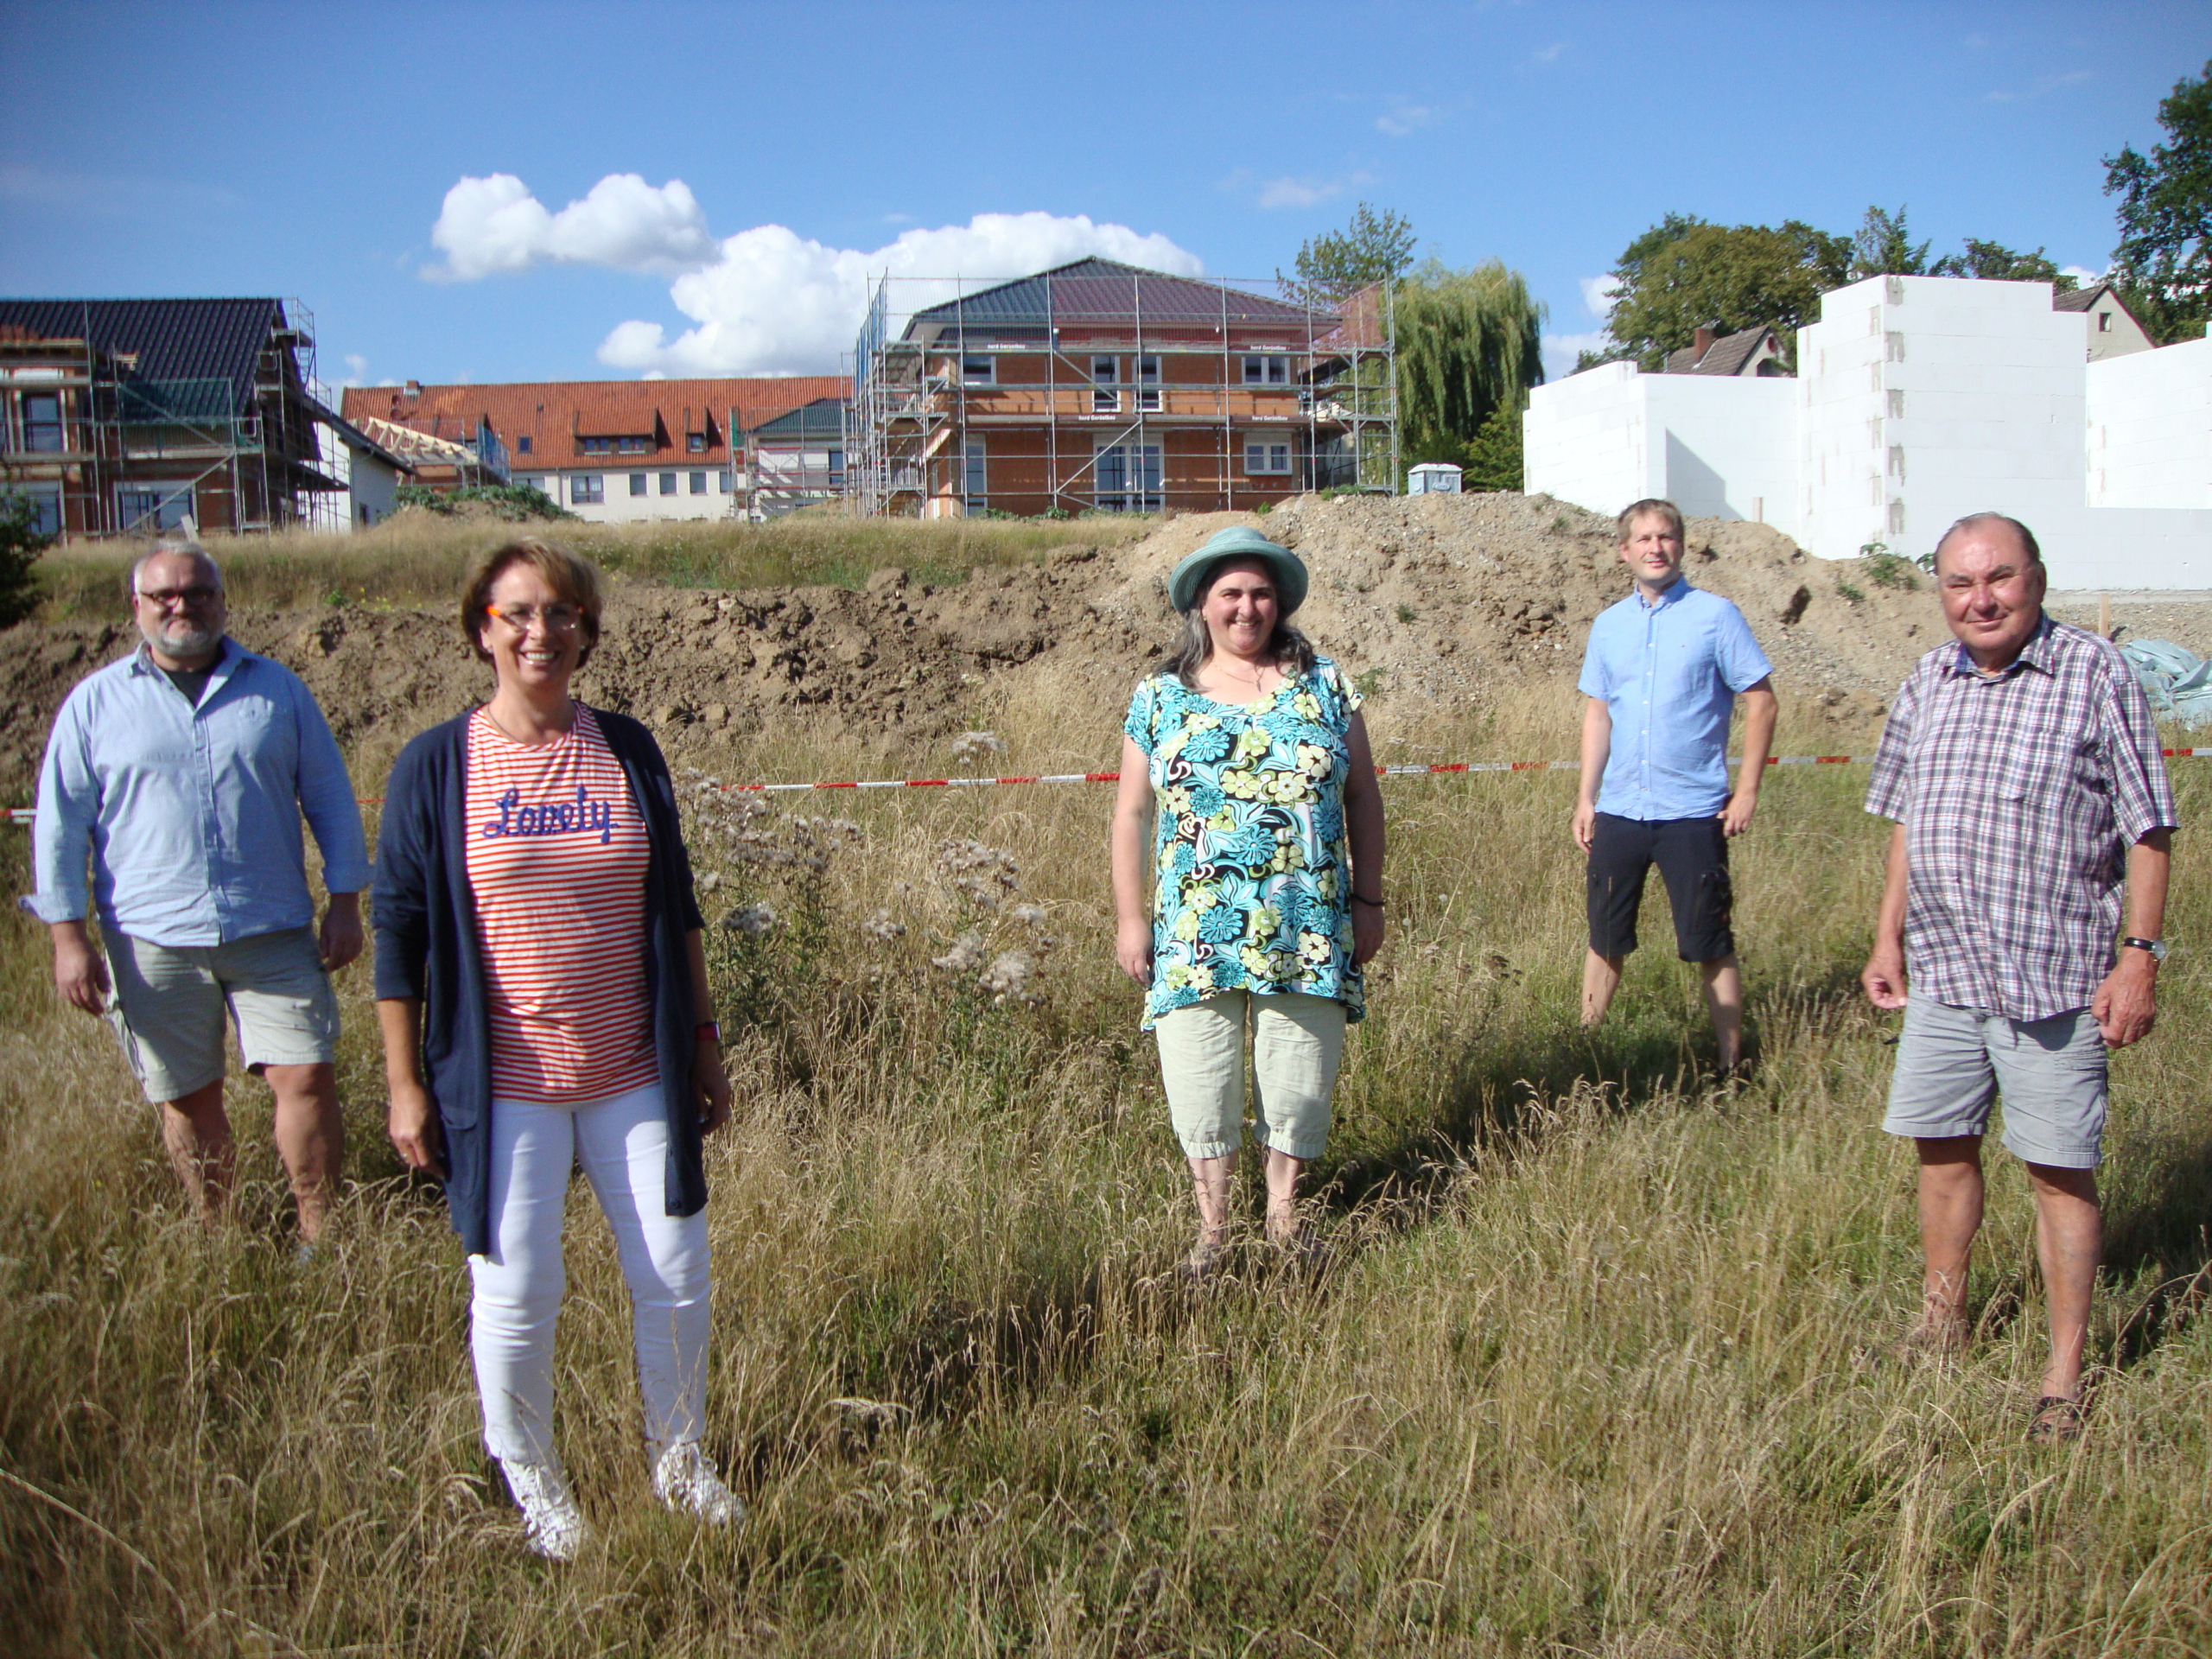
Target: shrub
[20, 545]
[516, 503]
[1888, 569]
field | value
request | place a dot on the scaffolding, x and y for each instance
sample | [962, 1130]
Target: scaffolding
[123, 450]
[1056, 393]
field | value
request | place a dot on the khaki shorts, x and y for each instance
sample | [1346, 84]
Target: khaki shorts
[168, 1007]
[1297, 1042]
[1953, 1063]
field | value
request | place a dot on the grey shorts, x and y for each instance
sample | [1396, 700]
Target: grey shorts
[1953, 1063]
[169, 1000]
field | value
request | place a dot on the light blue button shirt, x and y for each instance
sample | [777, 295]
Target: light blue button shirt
[1669, 670]
[192, 815]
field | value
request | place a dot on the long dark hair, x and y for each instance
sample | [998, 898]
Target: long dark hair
[1293, 652]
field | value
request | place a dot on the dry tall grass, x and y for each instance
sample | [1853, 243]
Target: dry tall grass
[1582, 1372]
[416, 558]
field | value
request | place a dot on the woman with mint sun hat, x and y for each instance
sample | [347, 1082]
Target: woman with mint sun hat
[1263, 900]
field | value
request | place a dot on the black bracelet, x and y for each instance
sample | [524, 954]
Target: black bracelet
[1362, 899]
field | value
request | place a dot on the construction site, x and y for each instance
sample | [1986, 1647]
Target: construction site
[1102, 386]
[131, 417]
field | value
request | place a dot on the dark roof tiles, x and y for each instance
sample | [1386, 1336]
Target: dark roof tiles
[1101, 290]
[172, 339]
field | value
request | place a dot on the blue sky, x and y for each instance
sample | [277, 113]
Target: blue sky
[408, 171]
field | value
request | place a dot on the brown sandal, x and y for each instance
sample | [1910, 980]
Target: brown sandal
[2055, 1421]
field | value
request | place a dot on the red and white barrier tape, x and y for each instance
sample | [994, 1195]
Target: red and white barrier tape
[23, 814]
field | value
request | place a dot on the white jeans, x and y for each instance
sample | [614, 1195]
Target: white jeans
[1297, 1043]
[622, 1144]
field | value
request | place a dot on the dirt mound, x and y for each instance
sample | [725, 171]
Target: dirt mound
[1429, 597]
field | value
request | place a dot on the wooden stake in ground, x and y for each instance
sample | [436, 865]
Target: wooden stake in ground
[2104, 615]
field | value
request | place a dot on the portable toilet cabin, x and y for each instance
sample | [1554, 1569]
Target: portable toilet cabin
[1433, 478]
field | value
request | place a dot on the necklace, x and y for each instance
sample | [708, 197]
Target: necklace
[551, 736]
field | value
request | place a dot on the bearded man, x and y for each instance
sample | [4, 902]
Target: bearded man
[178, 775]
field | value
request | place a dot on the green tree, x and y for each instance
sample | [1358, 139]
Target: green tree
[1994, 262]
[20, 545]
[1683, 273]
[1329, 270]
[1493, 459]
[1885, 248]
[2163, 261]
[1469, 343]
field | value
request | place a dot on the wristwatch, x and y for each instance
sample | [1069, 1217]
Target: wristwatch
[2155, 947]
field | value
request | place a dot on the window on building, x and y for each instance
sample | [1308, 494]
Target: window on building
[42, 422]
[2104, 322]
[595, 446]
[1264, 457]
[638, 481]
[668, 483]
[696, 442]
[1127, 478]
[529, 483]
[728, 481]
[522, 444]
[975, 478]
[1148, 383]
[634, 446]
[979, 369]
[837, 469]
[45, 503]
[698, 481]
[1105, 394]
[1267, 371]
[587, 490]
[145, 507]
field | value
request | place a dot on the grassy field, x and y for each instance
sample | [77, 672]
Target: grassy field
[416, 558]
[1584, 1372]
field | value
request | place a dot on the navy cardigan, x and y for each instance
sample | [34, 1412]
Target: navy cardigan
[425, 917]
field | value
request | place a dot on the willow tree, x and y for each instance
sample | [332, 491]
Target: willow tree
[1469, 343]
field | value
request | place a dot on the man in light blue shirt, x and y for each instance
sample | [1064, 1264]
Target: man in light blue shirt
[181, 772]
[1663, 672]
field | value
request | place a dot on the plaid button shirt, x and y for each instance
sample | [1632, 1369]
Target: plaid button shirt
[2020, 795]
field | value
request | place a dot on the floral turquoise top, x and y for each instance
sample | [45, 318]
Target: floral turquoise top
[1252, 874]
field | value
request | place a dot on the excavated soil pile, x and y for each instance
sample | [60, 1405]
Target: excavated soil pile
[1434, 598]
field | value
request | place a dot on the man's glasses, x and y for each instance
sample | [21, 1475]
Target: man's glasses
[557, 619]
[168, 599]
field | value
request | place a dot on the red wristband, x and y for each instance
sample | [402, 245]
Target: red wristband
[709, 1030]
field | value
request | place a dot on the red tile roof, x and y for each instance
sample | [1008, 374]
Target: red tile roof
[554, 414]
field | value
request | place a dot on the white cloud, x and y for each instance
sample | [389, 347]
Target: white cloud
[1298, 193]
[494, 225]
[772, 301]
[1549, 53]
[2082, 274]
[1307, 192]
[1401, 119]
[1561, 350]
[1599, 295]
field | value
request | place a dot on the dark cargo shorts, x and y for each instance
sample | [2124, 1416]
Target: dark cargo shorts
[1691, 854]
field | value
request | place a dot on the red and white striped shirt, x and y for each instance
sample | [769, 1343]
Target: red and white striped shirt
[557, 856]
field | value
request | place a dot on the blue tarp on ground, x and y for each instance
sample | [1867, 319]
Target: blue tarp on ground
[2179, 682]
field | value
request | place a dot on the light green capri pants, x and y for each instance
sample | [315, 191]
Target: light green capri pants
[1297, 1042]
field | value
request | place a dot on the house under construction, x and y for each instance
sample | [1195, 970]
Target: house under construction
[122, 418]
[1098, 385]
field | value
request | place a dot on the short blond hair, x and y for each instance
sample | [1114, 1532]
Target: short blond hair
[571, 577]
[1650, 507]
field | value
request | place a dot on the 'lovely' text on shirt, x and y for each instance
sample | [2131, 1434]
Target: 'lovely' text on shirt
[554, 819]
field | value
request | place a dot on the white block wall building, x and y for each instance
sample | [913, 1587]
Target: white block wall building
[1918, 400]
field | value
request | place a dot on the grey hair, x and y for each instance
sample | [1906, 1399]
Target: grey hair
[1973, 520]
[174, 547]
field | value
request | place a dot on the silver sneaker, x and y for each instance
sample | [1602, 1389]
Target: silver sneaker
[552, 1523]
[684, 1479]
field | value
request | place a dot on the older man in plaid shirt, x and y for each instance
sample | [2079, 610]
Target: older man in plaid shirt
[2022, 769]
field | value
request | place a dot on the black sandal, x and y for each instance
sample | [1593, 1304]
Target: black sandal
[2054, 1421]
